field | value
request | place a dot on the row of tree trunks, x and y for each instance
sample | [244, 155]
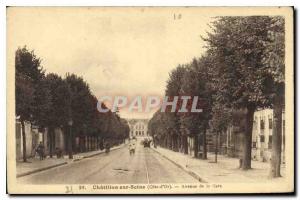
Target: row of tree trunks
[90, 143]
[179, 143]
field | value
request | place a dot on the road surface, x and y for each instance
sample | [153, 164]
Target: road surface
[118, 167]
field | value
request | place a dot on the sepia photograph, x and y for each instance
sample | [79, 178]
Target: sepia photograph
[150, 100]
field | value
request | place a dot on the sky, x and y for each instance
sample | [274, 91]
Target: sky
[118, 51]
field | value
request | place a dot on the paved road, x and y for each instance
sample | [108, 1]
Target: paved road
[118, 167]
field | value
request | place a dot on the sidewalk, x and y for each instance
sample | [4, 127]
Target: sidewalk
[225, 170]
[35, 165]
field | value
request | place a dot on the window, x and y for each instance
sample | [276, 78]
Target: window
[270, 142]
[262, 124]
[262, 138]
[253, 144]
[270, 123]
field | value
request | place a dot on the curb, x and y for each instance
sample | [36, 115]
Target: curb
[191, 173]
[63, 163]
[95, 154]
[40, 169]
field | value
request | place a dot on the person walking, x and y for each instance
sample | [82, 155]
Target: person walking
[107, 147]
[131, 147]
[40, 151]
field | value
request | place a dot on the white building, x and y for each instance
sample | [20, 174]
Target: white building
[138, 127]
[262, 135]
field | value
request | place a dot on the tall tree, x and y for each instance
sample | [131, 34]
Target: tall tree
[204, 72]
[221, 119]
[78, 108]
[28, 73]
[173, 88]
[274, 60]
[195, 84]
[238, 43]
[51, 105]
[190, 121]
[24, 103]
[42, 107]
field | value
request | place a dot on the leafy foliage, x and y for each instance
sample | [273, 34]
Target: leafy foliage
[242, 70]
[50, 101]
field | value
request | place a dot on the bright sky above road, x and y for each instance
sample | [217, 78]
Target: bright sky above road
[120, 51]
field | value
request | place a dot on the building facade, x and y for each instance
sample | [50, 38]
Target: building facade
[138, 127]
[261, 137]
[33, 138]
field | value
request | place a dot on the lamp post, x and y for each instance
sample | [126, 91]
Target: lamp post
[70, 123]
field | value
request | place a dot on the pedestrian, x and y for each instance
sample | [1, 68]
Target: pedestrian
[40, 151]
[58, 152]
[107, 147]
[131, 147]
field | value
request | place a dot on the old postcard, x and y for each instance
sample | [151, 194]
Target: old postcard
[150, 100]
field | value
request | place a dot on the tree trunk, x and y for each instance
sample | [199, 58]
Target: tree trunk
[90, 143]
[66, 138]
[24, 140]
[276, 139]
[179, 143]
[196, 146]
[246, 157]
[172, 142]
[97, 142]
[185, 145]
[204, 155]
[54, 142]
[50, 136]
[70, 143]
[216, 147]
[175, 144]
[166, 141]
